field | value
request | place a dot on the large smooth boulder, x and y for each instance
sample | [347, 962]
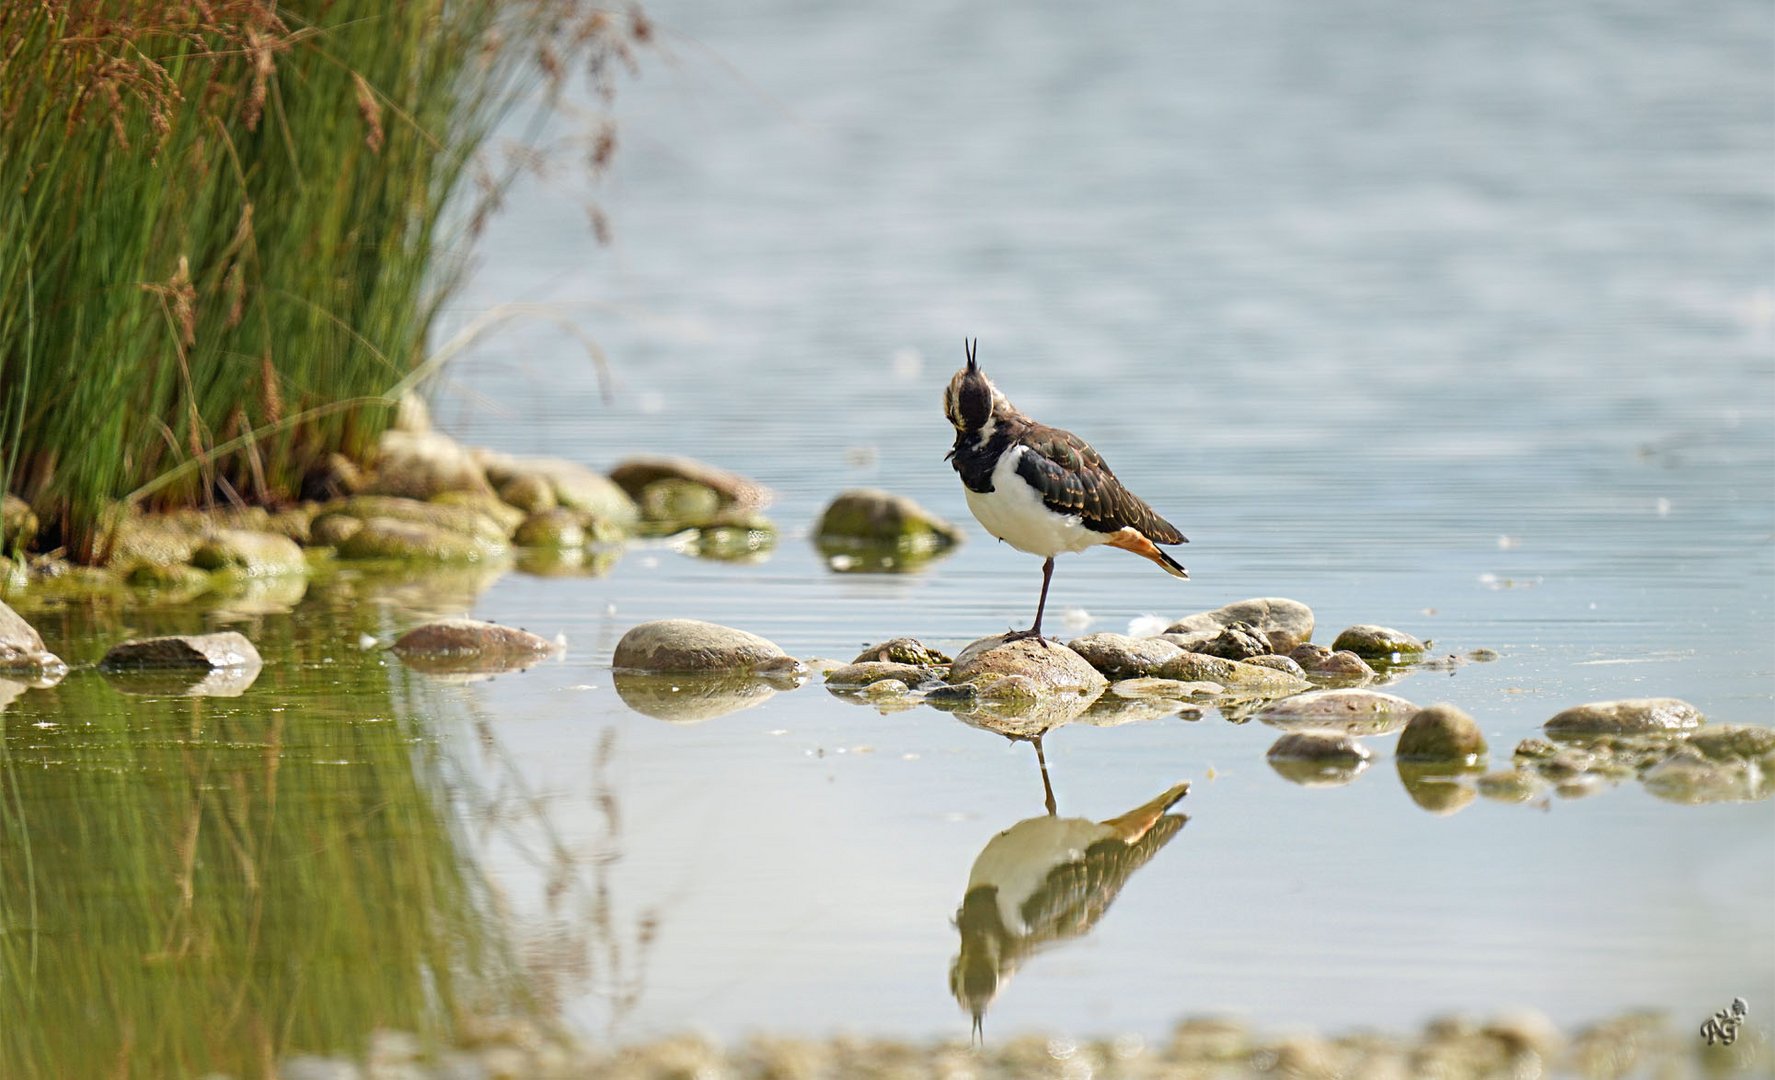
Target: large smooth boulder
[1283, 623]
[1628, 716]
[1049, 666]
[21, 648]
[471, 646]
[694, 646]
[412, 541]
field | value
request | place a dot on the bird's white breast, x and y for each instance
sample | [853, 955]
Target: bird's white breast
[1019, 860]
[1013, 512]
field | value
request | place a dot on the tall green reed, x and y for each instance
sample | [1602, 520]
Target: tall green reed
[227, 227]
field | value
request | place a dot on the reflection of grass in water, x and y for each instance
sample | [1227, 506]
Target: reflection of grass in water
[210, 884]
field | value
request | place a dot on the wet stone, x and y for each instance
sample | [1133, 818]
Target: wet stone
[1284, 664]
[1441, 732]
[1379, 643]
[904, 650]
[506, 516]
[571, 485]
[1153, 687]
[1051, 666]
[1316, 745]
[1236, 642]
[21, 647]
[868, 518]
[1235, 676]
[1689, 777]
[1534, 748]
[691, 645]
[528, 492]
[557, 528]
[226, 649]
[678, 503]
[1122, 656]
[457, 520]
[250, 554]
[1340, 666]
[18, 522]
[636, 473]
[420, 464]
[1283, 623]
[1725, 741]
[413, 541]
[1358, 712]
[851, 676]
[465, 646]
[1627, 716]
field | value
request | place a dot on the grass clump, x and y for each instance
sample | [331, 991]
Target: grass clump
[226, 227]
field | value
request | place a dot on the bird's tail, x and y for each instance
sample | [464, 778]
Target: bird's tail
[1132, 539]
[1135, 823]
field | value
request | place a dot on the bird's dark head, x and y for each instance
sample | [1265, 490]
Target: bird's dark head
[971, 397]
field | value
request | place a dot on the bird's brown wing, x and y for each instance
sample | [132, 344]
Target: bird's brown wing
[1073, 479]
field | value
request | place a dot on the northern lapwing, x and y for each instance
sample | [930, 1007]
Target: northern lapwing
[1040, 489]
[1047, 880]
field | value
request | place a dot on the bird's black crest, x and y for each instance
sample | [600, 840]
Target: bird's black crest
[972, 349]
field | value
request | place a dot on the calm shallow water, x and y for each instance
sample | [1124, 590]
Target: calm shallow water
[1455, 321]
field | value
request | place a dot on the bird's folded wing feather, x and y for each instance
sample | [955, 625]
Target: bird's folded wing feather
[1073, 479]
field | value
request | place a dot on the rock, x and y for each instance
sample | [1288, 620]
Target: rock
[1379, 643]
[1509, 785]
[688, 698]
[461, 520]
[1627, 716]
[558, 528]
[1358, 712]
[1150, 687]
[690, 645]
[904, 650]
[1284, 664]
[635, 473]
[21, 648]
[250, 554]
[18, 523]
[868, 519]
[1441, 732]
[1434, 787]
[574, 485]
[420, 464]
[1051, 666]
[1235, 676]
[225, 649]
[506, 516]
[733, 543]
[177, 578]
[1121, 656]
[1727, 741]
[868, 672]
[1339, 666]
[158, 540]
[1236, 642]
[529, 492]
[1687, 776]
[470, 646]
[412, 541]
[678, 503]
[1483, 656]
[1283, 623]
[1315, 758]
[332, 530]
[1534, 749]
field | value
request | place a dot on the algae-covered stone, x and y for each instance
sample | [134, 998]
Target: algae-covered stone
[332, 530]
[691, 645]
[678, 503]
[225, 649]
[1725, 741]
[745, 542]
[18, 523]
[250, 554]
[1284, 664]
[636, 473]
[503, 514]
[573, 485]
[1051, 666]
[1379, 643]
[413, 541]
[1359, 712]
[869, 518]
[162, 540]
[1626, 716]
[462, 520]
[530, 493]
[465, 646]
[904, 650]
[21, 647]
[1236, 676]
[557, 528]
[1282, 622]
[1122, 656]
[1441, 732]
[874, 671]
[1534, 749]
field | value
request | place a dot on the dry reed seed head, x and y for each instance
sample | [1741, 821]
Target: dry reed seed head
[273, 394]
[640, 26]
[370, 110]
[603, 146]
[600, 224]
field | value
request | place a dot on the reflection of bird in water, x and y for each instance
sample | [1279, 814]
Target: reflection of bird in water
[1044, 881]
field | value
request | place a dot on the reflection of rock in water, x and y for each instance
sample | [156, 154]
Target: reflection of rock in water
[691, 699]
[220, 682]
[1047, 880]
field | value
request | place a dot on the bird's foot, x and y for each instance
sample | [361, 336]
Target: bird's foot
[1034, 632]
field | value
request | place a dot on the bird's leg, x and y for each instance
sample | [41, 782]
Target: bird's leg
[1041, 759]
[1036, 630]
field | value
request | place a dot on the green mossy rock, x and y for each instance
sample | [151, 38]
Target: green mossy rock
[528, 492]
[469, 523]
[18, 523]
[1441, 732]
[852, 676]
[1379, 643]
[675, 503]
[505, 515]
[249, 554]
[333, 529]
[904, 650]
[413, 541]
[557, 529]
[1238, 677]
[867, 519]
